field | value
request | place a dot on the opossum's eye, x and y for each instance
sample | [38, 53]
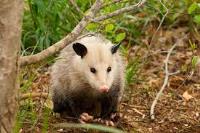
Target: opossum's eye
[108, 69]
[93, 70]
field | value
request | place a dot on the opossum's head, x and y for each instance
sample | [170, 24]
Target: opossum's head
[97, 63]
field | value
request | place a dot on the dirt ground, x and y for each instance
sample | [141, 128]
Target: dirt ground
[177, 110]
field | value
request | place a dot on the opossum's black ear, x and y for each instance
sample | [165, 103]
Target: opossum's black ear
[80, 49]
[115, 48]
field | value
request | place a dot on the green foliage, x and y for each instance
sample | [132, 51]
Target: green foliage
[195, 60]
[192, 8]
[26, 84]
[194, 12]
[21, 115]
[109, 28]
[120, 37]
[26, 114]
[47, 21]
[92, 27]
[132, 70]
[197, 19]
[193, 46]
[45, 122]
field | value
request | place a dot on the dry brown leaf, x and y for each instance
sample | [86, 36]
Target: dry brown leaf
[187, 96]
[154, 82]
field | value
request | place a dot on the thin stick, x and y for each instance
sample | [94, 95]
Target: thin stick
[137, 111]
[161, 22]
[167, 74]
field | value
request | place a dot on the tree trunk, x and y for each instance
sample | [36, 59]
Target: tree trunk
[10, 34]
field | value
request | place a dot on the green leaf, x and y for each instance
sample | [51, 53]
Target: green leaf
[92, 26]
[192, 45]
[195, 60]
[197, 19]
[120, 37]
[109, 27]
[192, 8]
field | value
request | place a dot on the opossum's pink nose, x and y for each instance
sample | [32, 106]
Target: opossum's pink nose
[103, 88]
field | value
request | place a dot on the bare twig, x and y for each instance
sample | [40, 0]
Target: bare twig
[161, 22]
[25, 60]
[174, 73]
[140, 113]
[134, 106]
[120, 11]
[167, 74]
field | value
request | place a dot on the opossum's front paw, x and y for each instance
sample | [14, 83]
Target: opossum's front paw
[115, 116]
[85, 117]
[104, 121]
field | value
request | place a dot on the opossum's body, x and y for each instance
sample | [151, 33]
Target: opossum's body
[75, 87]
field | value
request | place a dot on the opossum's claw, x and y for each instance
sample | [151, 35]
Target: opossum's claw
[109, 123]
[106, 122]
[85, 117]
[97, 120]
[81, 121]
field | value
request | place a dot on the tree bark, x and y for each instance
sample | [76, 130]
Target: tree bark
[10, 34]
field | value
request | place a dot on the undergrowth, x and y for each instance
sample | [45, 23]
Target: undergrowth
[47, 21]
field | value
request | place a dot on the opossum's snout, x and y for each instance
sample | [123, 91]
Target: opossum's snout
[103, 88]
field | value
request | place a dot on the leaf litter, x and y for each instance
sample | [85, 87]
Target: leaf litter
[178, 109]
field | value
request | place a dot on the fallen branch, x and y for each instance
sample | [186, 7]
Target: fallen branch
[25, 60]
[33, 95]
[120, 11]
[167, 74]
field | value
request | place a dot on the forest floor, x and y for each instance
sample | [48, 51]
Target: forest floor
[177, 110]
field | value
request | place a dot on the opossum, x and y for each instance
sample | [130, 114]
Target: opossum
[88, 76]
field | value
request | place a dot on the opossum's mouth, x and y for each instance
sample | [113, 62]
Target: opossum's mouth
[104, 88]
